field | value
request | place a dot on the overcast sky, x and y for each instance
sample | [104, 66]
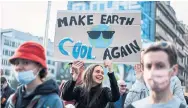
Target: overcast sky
[31, 16]
[181, 8]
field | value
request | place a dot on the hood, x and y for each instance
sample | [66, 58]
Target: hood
[47, 87]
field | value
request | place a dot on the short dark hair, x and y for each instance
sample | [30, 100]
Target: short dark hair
[43, 73]
[166, 47]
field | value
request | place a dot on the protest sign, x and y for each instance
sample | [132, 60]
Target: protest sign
[96, 36]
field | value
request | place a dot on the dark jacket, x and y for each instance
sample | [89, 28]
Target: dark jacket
[111, 104]
[48, 92]
[6, 94]
[61, 92]
[106, 95]
[186, 99]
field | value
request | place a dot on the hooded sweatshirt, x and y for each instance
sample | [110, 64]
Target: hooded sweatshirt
[49, 96]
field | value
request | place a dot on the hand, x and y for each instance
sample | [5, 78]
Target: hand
[138, 70]
[77, 68]
[108, 64]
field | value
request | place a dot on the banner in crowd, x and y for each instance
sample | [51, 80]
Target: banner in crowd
[96, 36]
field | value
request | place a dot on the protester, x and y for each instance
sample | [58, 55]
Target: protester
[6, 91]
[123, 93]
[29, 62]
[91, 94]
[139, 89]
[78, 83]
[157, 76]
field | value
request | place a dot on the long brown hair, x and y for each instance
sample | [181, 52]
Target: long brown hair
[87, 77]
[88, 83]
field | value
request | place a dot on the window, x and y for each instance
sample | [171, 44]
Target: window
[169, 37]
[101, 6]
[12, 53]
[121, 8]
[80, 7]
[109, 4]
[48, 61]
[3, 51]
[6, 52]
[94, 6]
[6, 42]
[178, 46]
[10, 43]
[7, 72]
[160, 14]
[48, 53]
[2, 62]
[52, 71]
[13, 44]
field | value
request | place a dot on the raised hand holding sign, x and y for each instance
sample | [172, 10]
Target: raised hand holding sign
[108, 64]
[77, 67]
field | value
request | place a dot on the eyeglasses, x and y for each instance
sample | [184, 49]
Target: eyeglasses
[96, 34]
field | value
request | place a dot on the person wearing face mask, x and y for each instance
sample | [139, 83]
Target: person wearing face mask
[29, 63]
[6, 91]
[157, 76]
[140, 90]
[91, 94]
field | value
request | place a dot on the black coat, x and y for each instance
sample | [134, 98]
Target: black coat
[106, 95]
[5, 94]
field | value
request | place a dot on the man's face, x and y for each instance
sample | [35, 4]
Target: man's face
[157, 72]
[122, 87]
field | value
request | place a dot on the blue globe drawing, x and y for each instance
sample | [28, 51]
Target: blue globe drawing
[100, 36]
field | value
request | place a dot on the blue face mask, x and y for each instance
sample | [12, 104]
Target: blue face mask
[25, 77]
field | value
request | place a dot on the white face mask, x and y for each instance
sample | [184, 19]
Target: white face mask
[157, 80]
[25, 77]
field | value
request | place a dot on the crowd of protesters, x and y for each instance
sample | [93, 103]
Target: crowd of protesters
[156, 85]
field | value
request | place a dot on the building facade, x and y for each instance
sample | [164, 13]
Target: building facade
[168, 28]
[10, 40]
[147, 12]
[159, 22]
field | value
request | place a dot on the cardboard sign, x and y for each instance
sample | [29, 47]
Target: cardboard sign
[96, 36]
